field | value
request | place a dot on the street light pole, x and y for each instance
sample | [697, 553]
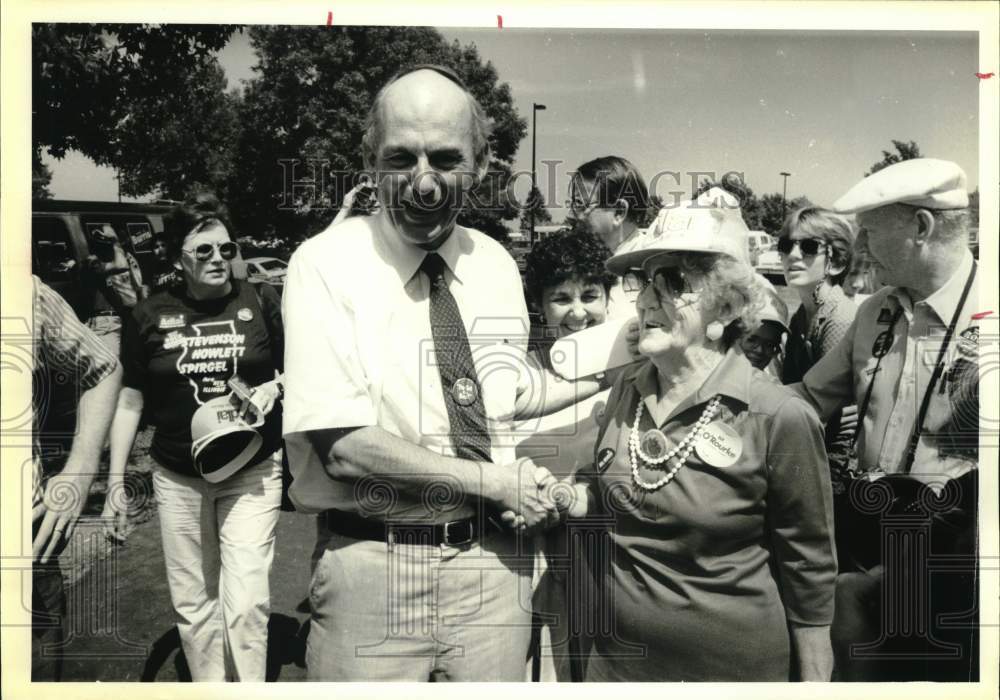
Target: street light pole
[784, 193]
[535, 108]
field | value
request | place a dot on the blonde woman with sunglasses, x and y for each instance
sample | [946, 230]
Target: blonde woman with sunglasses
[816, 247]
[186, 343]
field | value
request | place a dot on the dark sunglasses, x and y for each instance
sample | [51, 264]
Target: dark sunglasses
[668, 282]
[807, 246]
[205, 251]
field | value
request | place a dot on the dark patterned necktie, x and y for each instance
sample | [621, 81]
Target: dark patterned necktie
[459, 382]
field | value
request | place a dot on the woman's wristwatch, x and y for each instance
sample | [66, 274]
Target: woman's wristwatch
[602, 380]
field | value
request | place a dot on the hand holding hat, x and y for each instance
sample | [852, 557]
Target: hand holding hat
[224, 439]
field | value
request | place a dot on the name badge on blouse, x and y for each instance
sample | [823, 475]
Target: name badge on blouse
[718, 445]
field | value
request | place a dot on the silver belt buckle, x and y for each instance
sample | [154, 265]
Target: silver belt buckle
[447, 533]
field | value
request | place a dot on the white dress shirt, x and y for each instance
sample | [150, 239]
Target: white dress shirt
[359, 346]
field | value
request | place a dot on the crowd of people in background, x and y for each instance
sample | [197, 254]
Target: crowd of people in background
[689, 516]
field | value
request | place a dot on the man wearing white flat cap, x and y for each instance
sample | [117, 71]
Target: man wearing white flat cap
[910, 363]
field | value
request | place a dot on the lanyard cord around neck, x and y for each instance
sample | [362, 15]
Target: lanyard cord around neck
[911, 450]
[938, 369]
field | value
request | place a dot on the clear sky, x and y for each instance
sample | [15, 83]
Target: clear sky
[820, 105]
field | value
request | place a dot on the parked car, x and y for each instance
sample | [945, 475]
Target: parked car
[268, 270]
[769, 264]
[62, 231]
[758, 242]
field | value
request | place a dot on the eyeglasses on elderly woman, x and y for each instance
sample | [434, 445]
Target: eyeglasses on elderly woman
[669, 283]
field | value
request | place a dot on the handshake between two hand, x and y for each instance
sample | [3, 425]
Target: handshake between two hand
[535, 499]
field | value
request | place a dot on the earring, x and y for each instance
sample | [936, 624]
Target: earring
[713, 331]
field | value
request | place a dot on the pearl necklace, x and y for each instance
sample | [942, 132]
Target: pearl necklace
[680, 453]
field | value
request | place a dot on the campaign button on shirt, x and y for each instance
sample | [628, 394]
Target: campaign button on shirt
[882, 344]
[465, 392]
[168, 321]
[244, 314]
[653, 444]
[604, 459]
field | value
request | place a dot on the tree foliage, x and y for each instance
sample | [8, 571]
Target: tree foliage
[535, 203]
[764, 213]
[974, 209]
[180, 144]
[774, 208]
[905, 150]
[656, 203]
[302, 117]
[735, 185]
[145, 99]
[41, 176]
[151, 102]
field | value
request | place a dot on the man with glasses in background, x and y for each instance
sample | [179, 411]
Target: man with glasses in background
[608, 198]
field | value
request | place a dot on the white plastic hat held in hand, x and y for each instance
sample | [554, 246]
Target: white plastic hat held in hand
[223, 442]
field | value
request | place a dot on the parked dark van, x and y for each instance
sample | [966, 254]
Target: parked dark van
[61, 234]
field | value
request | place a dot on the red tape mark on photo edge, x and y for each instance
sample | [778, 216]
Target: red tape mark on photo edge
[981, 314]
[499, 21]
[329, 19]
[984, 76]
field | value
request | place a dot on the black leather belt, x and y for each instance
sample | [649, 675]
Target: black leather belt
[453, 534]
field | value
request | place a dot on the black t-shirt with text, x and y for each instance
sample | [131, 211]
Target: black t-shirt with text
[181, 352]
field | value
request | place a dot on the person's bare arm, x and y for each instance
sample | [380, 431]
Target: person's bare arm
[545, 392]
[813, 650]
[352, 454]
[66, 493]
[123, 431]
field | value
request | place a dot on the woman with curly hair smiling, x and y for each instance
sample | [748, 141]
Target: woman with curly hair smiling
[567, 283]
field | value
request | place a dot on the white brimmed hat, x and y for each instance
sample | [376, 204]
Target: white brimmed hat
[919, 182]
[222, 441]
[774, 308]
[710, 224]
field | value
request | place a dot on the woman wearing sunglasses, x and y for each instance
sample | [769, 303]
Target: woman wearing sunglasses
[717, 554]
[187, 342]
[816, 251]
